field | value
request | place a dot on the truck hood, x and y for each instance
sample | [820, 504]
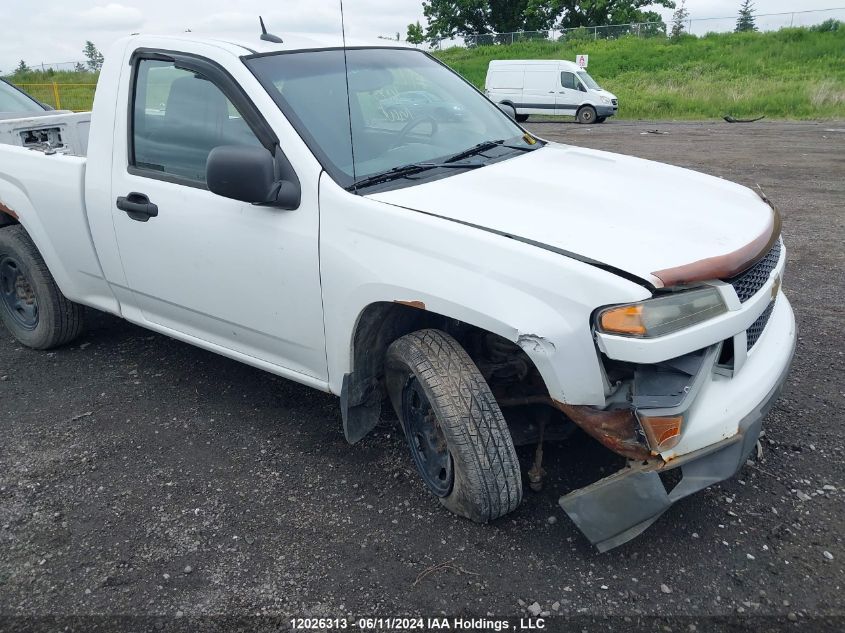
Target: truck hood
[629, 214]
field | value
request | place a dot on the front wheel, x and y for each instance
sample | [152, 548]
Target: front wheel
[459, 440]
[586, 115]
[521, 118]
[32, 307]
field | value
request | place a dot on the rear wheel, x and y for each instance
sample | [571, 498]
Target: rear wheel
[32, 307]
[586, 115]
[522, 118]
[457, 435]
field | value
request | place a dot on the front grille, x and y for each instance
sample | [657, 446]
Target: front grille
[614, 102]
[753, 333]
[749, 283]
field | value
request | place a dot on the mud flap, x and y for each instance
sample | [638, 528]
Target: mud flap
[361, 411]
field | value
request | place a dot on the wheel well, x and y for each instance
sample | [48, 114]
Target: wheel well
[7, 216]
[507, 368]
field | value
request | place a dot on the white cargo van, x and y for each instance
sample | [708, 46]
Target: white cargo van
[542, 86]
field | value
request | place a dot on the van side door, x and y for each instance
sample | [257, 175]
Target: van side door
[570, 93]
[540, 89]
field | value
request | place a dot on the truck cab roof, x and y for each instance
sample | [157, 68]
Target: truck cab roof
[241, 46]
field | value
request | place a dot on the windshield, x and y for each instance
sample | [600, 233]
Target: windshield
[405, 109]
[13, 100]
[589, 81]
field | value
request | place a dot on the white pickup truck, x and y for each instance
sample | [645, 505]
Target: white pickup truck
[259, 199]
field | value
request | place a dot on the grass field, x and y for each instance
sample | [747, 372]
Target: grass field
[788, 74]
[66, 90]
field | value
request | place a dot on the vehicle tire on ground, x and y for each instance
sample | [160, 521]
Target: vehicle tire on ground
[32, 307]
[586, 115]
[521, 118]
[459, 440]
[601, 119]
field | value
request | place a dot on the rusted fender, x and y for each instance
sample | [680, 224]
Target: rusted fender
[617, 430]
[413, 304]
[8, 211]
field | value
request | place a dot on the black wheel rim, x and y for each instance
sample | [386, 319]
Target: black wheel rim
[425, 437]
[17, 295]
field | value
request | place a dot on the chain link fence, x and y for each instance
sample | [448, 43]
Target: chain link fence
[693, 26]
[62, 96]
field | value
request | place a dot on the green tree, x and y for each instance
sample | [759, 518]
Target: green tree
[652, 26]
[78, 68]
[679, 19]
[745, 20]
[448, 18]
[94, 57]
[22, 68]
[415, 35]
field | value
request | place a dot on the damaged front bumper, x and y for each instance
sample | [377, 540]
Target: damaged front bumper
[616, 509]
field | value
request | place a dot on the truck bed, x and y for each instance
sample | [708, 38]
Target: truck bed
[45, 192]
[65, 133]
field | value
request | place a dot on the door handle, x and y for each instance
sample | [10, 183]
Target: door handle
[137, 206]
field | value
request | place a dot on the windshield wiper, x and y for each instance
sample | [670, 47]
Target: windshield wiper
[449, 162]
[487, 145]
[408, 170]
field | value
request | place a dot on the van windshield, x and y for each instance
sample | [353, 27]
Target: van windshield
[589, 81]
[408, 113]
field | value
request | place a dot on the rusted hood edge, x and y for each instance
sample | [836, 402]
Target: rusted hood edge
[727, 265]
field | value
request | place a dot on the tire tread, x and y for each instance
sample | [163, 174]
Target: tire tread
[475, 428]
[64, 318]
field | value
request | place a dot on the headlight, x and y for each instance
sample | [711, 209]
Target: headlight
[605, 100]
[664, 315]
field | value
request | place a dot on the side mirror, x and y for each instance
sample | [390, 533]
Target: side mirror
[248, 174]
[508, 109]
[582, 88]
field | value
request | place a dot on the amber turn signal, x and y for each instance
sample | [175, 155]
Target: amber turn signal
[662, 433]
[624, 320]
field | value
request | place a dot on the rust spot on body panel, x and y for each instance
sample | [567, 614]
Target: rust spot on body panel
[727, 265]
[414, 304]
[617, 429]
[8, 211]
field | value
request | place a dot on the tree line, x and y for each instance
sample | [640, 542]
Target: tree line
[447, 19]
[94, 61]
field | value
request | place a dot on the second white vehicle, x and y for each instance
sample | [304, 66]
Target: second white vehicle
[544, 86]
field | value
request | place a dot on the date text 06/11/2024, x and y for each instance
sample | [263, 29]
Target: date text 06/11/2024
[418, 624]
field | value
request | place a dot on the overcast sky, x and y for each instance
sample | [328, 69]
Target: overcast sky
[56, 31]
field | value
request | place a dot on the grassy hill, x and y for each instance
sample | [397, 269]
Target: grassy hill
[791, 73]
[787, 74]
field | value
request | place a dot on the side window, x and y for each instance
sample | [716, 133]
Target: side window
[568, 80]
[178, 118]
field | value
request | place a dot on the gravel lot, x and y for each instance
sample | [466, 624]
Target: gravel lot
[141, 476]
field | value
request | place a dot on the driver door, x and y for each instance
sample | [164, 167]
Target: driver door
[570, 93]
[219, 272]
